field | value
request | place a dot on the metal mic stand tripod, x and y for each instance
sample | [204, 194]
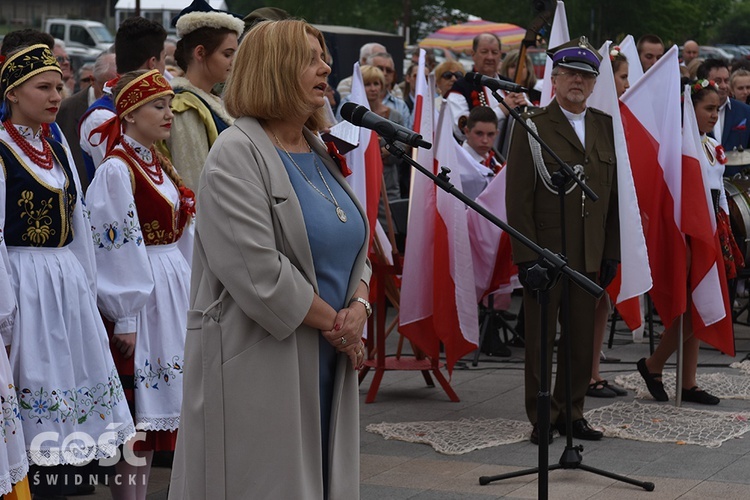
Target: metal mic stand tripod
[541, 278]
[549, 267]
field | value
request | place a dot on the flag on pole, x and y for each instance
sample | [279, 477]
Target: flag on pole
[634, 275]
[365, 161]
[650, 113]
[415, 315]
[630, 51]
[490, 246]
[438, 302]
[711, 316]
[558, 35]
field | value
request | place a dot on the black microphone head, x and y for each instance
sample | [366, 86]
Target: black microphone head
[347, 110]
[473, 77]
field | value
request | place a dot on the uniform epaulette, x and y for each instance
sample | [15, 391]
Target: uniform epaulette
[535, 112]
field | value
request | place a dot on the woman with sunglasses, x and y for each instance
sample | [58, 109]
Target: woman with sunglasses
[446, 74]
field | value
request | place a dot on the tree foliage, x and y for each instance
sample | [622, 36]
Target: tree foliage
[673, 20]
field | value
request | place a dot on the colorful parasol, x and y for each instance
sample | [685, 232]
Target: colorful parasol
[459, 36]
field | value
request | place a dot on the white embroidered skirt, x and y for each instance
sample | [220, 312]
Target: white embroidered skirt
[69, 394]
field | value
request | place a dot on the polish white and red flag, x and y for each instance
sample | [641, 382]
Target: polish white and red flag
[438, 301]
[651, 117]
[558, 35]
[711, 316]
[490, 246]
[365, 161]
[633, 275]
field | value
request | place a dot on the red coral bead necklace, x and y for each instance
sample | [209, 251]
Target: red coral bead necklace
[42, 158]
[153, 168]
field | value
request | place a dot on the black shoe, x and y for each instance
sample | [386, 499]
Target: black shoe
[534, 438]
[655, 387]
[696, 395]
[581, 430]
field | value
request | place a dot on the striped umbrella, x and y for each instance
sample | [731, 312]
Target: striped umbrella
[459, 36]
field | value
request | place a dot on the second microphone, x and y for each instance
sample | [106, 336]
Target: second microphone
[363, 117]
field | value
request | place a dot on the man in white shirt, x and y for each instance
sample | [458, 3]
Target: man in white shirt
[732, 129]
[464, 96]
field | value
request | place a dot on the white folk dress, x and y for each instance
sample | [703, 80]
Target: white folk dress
[70, 397]
[13, 462]
[143, 287]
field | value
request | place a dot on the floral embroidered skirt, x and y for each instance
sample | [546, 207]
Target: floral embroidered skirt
[154, 373]
[70, 398]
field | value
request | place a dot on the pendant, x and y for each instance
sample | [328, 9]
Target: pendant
[341, 214]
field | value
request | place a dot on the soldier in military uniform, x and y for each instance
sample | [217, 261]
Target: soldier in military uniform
[582, 137]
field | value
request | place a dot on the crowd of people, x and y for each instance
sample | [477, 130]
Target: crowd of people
[179, 247]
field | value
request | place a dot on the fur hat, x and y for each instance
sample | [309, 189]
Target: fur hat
[194, 20]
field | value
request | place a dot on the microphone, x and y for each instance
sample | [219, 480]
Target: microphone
[363, 117]
[494, 83]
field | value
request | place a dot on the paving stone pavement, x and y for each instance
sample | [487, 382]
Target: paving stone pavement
[395, 470]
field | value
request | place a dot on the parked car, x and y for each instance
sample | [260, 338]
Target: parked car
[82, 37]
[706, 51]
[737, 51]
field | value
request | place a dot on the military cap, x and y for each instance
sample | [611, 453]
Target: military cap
[577, 54]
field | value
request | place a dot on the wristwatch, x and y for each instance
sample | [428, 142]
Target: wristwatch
[368, 307]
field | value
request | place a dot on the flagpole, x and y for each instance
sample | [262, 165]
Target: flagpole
[680, 359]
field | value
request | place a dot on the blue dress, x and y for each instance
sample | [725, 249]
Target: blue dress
[334, 246]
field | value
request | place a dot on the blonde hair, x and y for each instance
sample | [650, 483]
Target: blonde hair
[166, 165]
[265, 78]
[372, 74]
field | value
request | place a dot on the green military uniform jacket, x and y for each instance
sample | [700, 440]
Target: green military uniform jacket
[592, 228]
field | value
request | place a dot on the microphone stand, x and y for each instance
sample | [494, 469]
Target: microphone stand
[571, 457]
[541, 277]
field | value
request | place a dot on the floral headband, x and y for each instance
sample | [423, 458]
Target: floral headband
[703, 84]
[614, 52]
[25, 64]
[142, 90]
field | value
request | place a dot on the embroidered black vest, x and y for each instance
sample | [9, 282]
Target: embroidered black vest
[36, 214]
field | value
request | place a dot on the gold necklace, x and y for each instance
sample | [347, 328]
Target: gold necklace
[339, 211]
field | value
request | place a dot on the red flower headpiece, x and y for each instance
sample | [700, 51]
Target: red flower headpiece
[702, 84]
[614, 52]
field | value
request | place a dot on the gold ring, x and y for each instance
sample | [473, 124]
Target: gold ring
[343, 341]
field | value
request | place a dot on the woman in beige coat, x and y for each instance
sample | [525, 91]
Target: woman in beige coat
[279, 287]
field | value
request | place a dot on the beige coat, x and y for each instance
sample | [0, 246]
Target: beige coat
[250, 425]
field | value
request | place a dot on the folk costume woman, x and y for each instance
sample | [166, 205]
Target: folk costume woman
[141, 215]
[205, 51]
[65, 379]
[278, 297]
